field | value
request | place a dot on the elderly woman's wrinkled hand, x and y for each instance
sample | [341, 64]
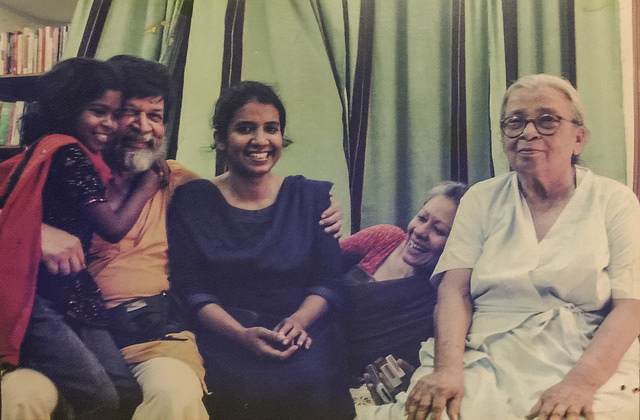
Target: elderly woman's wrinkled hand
[564, 401]
[435, 393]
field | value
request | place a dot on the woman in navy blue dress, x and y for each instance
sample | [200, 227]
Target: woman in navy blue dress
[258, 272]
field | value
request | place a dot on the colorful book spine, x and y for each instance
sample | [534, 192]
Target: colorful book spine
[31, 51]
[5, 116]
[4, 52]
[17, 109]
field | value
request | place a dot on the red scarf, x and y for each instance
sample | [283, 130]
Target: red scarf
[20, 240]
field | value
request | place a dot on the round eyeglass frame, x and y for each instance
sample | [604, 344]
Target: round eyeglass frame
[543, 131]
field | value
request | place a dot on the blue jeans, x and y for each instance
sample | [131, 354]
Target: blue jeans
[83, 362]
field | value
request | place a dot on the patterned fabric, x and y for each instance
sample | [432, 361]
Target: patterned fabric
[372, 245]
[72, 183]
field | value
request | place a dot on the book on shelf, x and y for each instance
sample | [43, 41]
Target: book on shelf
[17, 109]
[15, 52]
[29, 51]
[5, 116]
[5, 52]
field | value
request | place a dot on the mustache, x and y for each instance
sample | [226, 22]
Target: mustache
[121, 156]
[129, 138]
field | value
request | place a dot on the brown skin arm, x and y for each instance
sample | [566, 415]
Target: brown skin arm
[112, 225]
[332, 218]
[443, 389]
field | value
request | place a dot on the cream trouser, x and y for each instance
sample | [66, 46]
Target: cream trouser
[171, 391]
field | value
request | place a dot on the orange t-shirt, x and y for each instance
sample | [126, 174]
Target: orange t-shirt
[137, 265]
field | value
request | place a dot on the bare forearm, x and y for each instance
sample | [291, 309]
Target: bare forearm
[113, 224]
[452, 319]
[601, 359]
[311, 309]
[217, 320]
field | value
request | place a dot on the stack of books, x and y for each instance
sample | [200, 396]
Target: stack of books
[31, 51]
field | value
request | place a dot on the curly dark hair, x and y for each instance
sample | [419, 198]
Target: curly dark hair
[63, 93]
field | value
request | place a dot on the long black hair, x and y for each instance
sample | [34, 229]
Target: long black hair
[63, 93]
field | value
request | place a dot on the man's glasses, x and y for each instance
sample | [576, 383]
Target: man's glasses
[546, 124]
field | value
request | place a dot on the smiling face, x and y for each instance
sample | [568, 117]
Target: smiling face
[428, 232]
[144, 116]
[254, 141]
[533, 153]
[140, 136]
[97, 123]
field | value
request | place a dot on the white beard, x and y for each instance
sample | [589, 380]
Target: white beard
[140, 160]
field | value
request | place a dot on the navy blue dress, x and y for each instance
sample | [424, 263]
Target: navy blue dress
[259, 265]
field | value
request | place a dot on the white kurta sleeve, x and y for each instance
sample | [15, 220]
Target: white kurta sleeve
[622, 214]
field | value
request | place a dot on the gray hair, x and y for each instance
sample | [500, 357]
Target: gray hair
[453, 190]
[556, 82]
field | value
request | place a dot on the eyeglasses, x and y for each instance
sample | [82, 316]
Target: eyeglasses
[546, 124]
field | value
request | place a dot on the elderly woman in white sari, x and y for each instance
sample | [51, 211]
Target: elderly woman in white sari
[538, 312]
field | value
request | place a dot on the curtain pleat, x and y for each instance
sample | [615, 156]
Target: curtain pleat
[459, 159]
[359, 116]
[232, 58]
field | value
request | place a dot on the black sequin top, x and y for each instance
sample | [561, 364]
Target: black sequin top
[72, 182]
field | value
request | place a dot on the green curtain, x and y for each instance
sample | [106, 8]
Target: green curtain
[599, 80]
[485, 85]
[408, 143]
[202, 81]
[544, 45]
[307, 49]
[143, 28]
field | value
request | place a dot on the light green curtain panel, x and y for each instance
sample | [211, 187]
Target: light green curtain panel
[307, 50]
[409, 138]
[599, 80]
[485, 85]
[143, 28]
[201, 88]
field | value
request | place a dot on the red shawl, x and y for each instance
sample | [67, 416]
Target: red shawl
[20, 241]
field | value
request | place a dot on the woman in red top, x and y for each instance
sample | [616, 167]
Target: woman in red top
[393, 300]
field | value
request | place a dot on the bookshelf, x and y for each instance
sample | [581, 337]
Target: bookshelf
[15, 88]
